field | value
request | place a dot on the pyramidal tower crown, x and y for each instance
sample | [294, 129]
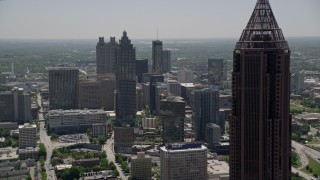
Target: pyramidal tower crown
[262, 30]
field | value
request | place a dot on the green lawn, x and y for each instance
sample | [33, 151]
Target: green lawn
[314, 166]
[295, 158]
[297, 178]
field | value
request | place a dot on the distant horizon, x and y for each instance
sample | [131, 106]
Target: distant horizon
[144, 19]
[106, 38]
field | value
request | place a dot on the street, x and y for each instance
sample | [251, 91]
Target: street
[108, 147]
[45, 139]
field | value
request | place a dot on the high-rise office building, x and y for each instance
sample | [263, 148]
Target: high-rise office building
[213, 134]
[206, 110]
[166, 56]
[63, 87]
[97, 92]
[141, 167]
[155, 80]
[260, 125]
[123, 139]
[157, 59]
[174, 87]
[106, 56]
[299, 82]
[216, 69]
[15, 106]
[183, 161]
[185, 76]
[141, 68]
[172, 115]
[126, 82]
[27, 135]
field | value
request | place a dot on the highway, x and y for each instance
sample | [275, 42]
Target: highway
[302, 151]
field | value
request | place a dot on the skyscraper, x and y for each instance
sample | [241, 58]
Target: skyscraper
[15, 106]
[215, 71]
[155, 80]
[206, 110]
[106, 56]
[63, 87]
[172, 115]
[166, 56]
[157, 60]
[97, 92]
[260, 143]
[101, 55]
[126, 81]
[141, 68]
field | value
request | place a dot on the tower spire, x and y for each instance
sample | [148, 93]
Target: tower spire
[262, 30]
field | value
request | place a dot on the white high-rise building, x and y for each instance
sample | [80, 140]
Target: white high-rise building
[183, 161]
[27, 135]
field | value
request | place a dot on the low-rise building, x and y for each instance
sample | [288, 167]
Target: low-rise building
[74, 121]
[149, 123]
[99, 129]
[29, 153]
[86, 162]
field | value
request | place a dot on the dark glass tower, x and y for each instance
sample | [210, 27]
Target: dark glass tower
[126, 82]
[157, 60]
[260, 125]
[206, 110]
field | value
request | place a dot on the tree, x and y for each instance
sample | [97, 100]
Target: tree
[72, 173]
[54, 137]
[112, 166]
[89, 132]
[115, 173]
[294, 136]
[43, 150]
[102, 139]
[305, 128]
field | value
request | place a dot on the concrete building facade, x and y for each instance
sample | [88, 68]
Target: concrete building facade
[183, 161]
[141, 167]
[27, 135]
[106, 56]
[74, 121]
[97, 92]
[15, 106]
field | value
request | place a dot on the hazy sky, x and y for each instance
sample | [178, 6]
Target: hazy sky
[81, 19]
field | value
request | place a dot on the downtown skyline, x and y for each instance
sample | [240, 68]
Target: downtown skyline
[88, 19]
